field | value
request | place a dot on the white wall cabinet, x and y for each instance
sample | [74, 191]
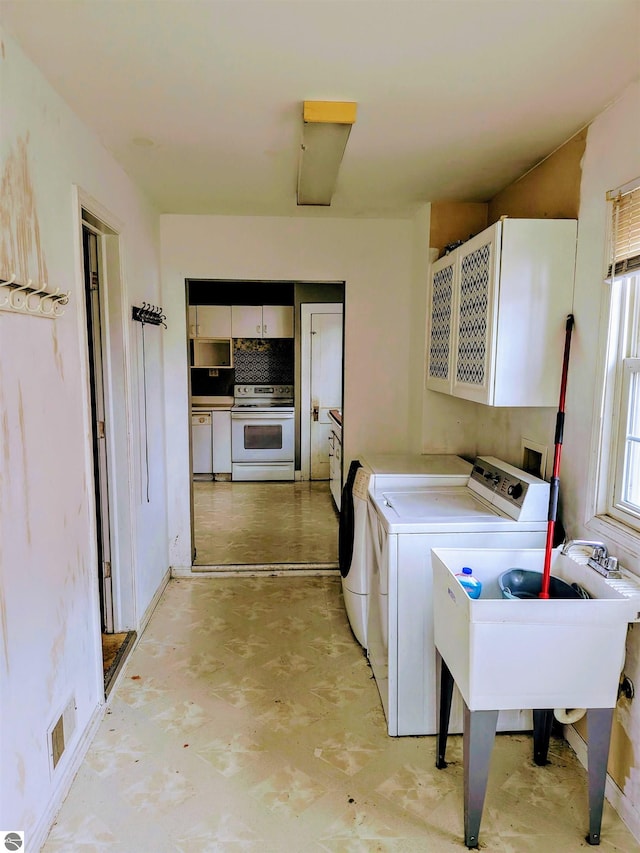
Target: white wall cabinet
[209, 321]
[497, 313]
[262, 321]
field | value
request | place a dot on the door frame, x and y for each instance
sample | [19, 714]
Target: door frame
[94, 302]
[307, 309]
[117, 395]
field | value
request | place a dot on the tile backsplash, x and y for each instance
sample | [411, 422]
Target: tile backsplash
[257, 360]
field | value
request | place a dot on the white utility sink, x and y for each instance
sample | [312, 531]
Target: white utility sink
[511, 653]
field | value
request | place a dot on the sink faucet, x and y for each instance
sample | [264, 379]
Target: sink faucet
[599, 548]
[599, 559]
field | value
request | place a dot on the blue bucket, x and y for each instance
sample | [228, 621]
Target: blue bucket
[523, 583]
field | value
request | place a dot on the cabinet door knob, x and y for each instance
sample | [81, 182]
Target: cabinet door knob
[264, 329]
[258, 329]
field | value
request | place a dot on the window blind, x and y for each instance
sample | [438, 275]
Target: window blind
[625, 242]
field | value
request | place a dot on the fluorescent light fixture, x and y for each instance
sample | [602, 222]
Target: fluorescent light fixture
[326, 128]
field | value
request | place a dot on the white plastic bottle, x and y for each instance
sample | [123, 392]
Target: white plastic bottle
[471, 584]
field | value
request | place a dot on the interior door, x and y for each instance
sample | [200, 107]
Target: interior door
[91, 249]
[325, 387]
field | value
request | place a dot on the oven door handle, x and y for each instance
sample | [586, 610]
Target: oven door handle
[262, 416]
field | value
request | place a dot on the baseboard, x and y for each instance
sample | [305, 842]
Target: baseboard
[39, 834]
[615, 795]
[253, 570]
[153, 603]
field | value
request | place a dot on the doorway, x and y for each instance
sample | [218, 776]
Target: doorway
[322, 335]
[244, 525]
[102, 288]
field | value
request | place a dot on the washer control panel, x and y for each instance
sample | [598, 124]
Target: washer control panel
[522, 496]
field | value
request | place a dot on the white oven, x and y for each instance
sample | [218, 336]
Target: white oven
[262, 433]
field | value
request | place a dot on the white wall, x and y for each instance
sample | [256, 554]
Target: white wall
[372, 257]
[612, 158]
[50, 625]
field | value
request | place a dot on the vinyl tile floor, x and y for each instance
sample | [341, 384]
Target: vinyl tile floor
[264, 523]
[246, 719]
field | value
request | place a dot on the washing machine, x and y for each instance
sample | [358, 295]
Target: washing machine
[499, 507]
[382, 471]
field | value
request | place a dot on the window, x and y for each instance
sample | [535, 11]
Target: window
[621, 480]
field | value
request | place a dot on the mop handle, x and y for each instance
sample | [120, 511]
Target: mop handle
[554, 482]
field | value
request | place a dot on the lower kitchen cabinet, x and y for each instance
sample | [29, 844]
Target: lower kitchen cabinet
[202, 451]
[222, 442]
[335, 464]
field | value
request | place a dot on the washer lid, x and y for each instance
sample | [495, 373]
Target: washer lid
[430, 505]
[417, 464]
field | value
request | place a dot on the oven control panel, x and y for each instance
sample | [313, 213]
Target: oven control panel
[522, 496]
[266, 391]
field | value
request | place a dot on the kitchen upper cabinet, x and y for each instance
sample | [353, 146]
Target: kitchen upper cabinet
[209, 321]
[497, 313]
[262, 321]
[277, 321]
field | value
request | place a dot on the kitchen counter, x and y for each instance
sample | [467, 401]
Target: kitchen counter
[335, 456]
[211, 404]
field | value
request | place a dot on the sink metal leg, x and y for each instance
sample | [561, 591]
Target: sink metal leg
[599, 722]
[542, 723]
[479, 735]
[446, 694]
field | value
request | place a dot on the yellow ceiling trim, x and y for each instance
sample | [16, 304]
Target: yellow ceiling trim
[331, 112]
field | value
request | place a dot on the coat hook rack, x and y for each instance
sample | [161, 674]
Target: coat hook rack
[150, 314]
[30, 298]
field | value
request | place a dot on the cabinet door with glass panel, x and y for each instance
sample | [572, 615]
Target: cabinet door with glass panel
[444, 282]
[476, 309]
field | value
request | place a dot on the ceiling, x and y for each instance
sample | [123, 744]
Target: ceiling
[201, 100]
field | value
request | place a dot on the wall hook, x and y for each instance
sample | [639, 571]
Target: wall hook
[33, 299]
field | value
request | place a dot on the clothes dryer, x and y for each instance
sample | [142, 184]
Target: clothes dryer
[500, 507]
[381, 471]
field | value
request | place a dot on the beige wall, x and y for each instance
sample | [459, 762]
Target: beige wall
[549, 191]
[455, 220]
